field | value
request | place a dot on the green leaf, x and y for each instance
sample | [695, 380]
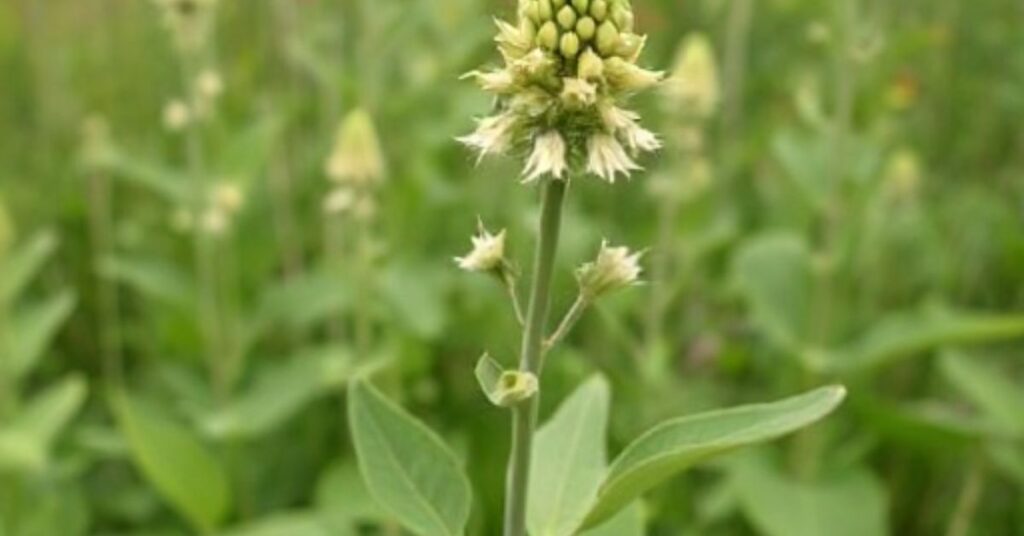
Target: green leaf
[852, 503]
[569, 458]
[679, 444]
[279, 392]
[33, 328]
[908, 333]
[166, 183]
[407, 467]
[152, 278]
[628, 522]
[288, 524]
[988, 388]
[17, 270]
[341, 495]
[774, 274]
[174, 462]
[26, 442]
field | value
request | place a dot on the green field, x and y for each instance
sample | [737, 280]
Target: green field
[252, 252]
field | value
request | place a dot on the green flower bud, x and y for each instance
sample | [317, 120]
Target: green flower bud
[528, 28]
[630, 46]
[607, 38]
[581, 6]
[547, 36]
[570, 45]
[599, 10]
[585, 28]
[623, 18]
[591, 66]
[567, 18]
[557, 3]
[544, 11]
[532, 11]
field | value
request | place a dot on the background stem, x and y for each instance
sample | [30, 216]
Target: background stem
[524, 416]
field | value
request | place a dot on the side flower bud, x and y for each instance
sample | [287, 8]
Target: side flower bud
[488, 253]
[357, 156]
[613, 269]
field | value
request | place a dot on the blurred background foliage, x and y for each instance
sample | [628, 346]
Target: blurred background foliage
[854, 212]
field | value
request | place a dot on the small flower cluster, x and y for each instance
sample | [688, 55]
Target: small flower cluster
[355, 167]
[224, 200]
[568, 64]
[180, 113]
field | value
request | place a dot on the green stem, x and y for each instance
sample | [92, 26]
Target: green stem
[108, 307]
[967, 502]
[568, 322]
[524, 416]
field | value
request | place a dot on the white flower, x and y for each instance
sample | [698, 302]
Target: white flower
[214, 221]
[177, 115]
[227, 196]
[493, 135]
[548, 156]
[209, 84]
[606, 158]
[533, 65]
[625, 76]
[578, 93]
[499, 81]
[614, 268]
[626, 124]
[513, 43]
[339, 200]
[488, 252]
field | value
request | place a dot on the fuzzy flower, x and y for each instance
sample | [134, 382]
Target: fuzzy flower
[614, 268]
[356, 158]
[548, 157]
[227, 197]
[209, 84]
[488, 254]
[339, 201]
[606, 158]
[566, 64]
[177, 115]
[693, 87]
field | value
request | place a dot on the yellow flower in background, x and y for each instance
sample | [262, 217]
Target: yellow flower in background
[693, 87]
[356, 158]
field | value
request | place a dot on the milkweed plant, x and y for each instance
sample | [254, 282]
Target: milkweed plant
[569, 68]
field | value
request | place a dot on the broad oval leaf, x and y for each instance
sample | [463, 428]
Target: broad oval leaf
[279, 392]
[569, 458]
[26, 442]
[407, 467]
[852, 503]
[174, 461]
[628, 522]
[678, 444]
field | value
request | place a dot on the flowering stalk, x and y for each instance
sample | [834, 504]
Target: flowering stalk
[568, 65]
[524, 416]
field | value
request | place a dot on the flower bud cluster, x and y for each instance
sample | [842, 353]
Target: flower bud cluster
[568, 64]
[355, 167]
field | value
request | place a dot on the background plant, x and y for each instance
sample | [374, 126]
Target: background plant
[792, 270]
